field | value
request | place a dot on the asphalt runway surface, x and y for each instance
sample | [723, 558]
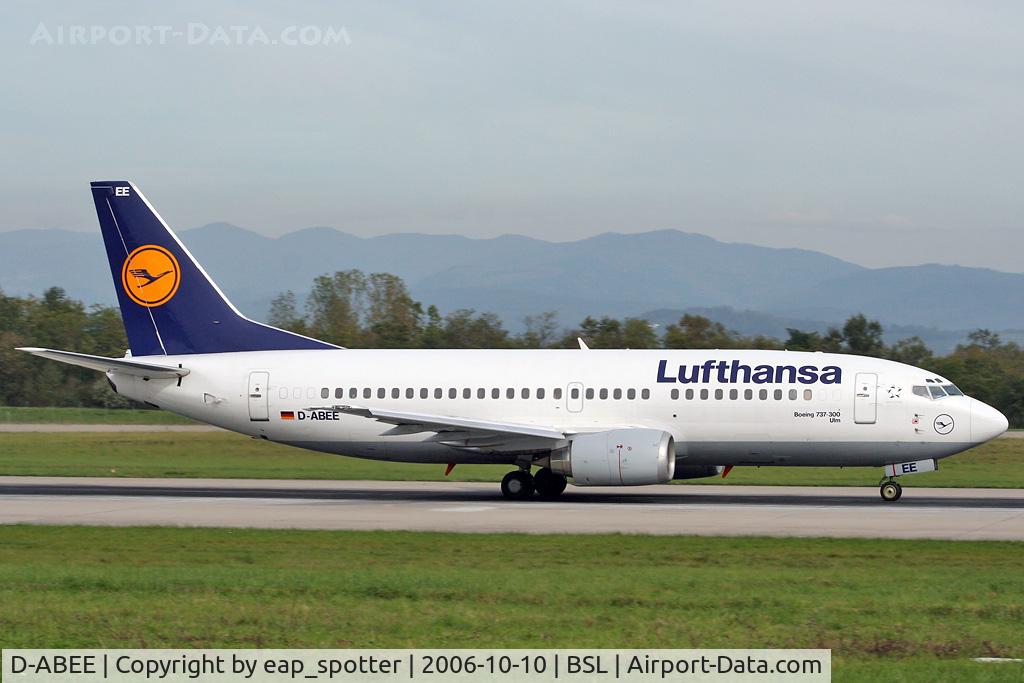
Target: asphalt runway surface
[957, 514]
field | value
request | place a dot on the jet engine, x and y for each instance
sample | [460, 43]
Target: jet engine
[619, 457]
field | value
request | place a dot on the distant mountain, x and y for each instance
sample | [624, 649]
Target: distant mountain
[514, 276]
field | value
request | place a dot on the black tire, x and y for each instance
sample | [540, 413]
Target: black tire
[549, 484]
[890, 491]
[517, 485]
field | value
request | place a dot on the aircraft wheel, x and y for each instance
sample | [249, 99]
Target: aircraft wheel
[549, 484]
[517, 485]
[891, 491]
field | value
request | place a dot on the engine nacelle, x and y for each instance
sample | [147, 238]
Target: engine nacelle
[619, 457]
[697, 471]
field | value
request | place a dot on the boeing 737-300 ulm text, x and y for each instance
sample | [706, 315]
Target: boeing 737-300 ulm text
[597, 418]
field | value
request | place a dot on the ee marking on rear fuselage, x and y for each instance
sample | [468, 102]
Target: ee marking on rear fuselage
[592, 417]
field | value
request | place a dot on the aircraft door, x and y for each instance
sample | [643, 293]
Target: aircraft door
[865, 398]
[259, 411]
[574, 397]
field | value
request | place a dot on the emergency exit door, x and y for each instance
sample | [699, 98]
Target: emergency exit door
[259, 411]
[865, 398]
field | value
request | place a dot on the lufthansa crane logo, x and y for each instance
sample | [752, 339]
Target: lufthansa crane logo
[943, 424]
[150, 275]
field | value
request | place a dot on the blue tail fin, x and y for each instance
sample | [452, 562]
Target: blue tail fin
[169, 304]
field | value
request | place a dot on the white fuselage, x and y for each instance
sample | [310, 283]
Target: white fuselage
[866, 414]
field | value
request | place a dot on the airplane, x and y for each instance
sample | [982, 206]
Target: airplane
[597, 417]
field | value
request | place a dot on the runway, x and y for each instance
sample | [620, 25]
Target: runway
[976, 514]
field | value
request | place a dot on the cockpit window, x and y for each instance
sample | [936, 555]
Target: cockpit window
[936, 391]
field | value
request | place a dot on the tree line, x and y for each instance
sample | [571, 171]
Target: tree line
[359, 310]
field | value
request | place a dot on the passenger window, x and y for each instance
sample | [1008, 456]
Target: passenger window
[645, 394]
[467, 393]
[734, 394]
[495, 393]
[452, 392]
[557, 393]
[792, 394]
[424, 392]
[525, 393]
[631, 394]
[439, 393]
[703, 394]
[748, 394]
[481, 393]
[603, 394]
[808, 394]
[339, 393]
[510, 393]
[396, 392]
[282, 392]
[590, 394]
[540, 393]
[310, 392]
[410, 393]
[689, 394]
[763, 394]
[778, 394]
[617, 394]
[353, 392]
[367, 392]
[575, 393]
[674, 394]
[719, 394]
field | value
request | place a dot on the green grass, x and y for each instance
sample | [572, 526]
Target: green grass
[16, 415]
[892, 610]
[203, 454]
[216, 454]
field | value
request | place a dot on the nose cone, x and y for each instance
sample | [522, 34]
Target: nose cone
[986, 422]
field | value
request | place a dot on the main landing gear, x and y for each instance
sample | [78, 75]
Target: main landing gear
[890, 491]
[520, 485]
[549, 484]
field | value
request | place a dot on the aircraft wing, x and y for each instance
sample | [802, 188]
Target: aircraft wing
[420, 422]
[126, 366]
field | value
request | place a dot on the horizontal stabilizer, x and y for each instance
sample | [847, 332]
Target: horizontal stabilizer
[125, 366]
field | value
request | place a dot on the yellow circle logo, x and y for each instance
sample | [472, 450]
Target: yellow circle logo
[150, 275]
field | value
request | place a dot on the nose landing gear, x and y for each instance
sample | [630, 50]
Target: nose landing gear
[890, 491]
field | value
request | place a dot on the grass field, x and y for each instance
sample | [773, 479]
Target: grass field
[89, 416]
[889, 610]
[215, 454]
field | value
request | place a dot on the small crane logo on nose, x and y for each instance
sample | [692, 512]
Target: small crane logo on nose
[943, 424]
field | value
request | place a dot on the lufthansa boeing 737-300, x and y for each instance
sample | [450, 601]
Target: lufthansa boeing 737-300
[597, 417]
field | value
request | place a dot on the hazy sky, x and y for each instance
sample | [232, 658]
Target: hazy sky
[885, 133]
